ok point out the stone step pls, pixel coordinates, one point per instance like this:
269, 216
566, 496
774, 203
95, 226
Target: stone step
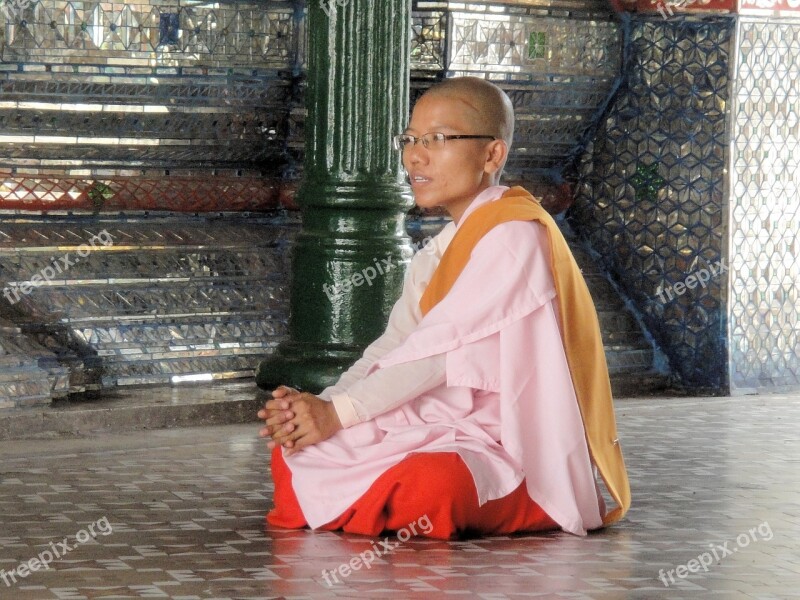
177, 299
148, 264
165, 299
619, 327
138, 408
627, 359
30, 373
637, 384
149, 370
629, 354
231, 331
31, 388
146, 300
604, 295
147, 233
621, 338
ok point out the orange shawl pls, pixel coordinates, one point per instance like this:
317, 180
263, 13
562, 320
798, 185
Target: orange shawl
580, 330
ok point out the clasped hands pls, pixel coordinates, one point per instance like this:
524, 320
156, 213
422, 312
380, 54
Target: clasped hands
295, 419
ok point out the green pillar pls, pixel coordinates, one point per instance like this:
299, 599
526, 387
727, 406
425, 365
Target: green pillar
353, 197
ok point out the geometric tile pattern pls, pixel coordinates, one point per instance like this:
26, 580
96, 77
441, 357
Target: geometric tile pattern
428, 37
147, 33
180, 514
651, 193
557, 67
93, 89
557, 70
164, 298
764, 292
154, 190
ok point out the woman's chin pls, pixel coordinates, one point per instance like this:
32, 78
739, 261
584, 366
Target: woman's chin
425, 201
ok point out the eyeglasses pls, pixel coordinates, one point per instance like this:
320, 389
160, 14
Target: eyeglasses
433, 140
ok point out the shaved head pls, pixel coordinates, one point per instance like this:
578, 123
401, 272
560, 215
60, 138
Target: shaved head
466, 110
487, 106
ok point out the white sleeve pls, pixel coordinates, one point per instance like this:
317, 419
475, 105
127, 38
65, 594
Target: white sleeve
403, 320
388, 388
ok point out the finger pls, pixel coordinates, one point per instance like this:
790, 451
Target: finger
284, 430
286, 436
285, 433
302, 442
264, 413
279, 404
278, 419
275, 406
269, 431
272, 423
283, 390
272, 444
280, 391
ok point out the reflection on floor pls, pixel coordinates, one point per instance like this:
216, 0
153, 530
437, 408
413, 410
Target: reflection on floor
179, 514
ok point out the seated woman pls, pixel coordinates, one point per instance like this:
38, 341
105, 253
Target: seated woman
486, 405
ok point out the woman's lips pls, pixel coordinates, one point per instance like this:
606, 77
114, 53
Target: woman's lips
419, 180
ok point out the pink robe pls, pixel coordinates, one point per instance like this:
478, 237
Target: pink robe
508, 407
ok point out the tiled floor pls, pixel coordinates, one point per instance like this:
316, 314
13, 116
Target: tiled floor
185, 507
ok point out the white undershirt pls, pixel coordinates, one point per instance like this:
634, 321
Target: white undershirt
357, 397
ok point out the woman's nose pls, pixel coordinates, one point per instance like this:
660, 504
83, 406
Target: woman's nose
415, 154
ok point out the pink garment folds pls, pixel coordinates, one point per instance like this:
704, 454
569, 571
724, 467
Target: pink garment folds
508, 407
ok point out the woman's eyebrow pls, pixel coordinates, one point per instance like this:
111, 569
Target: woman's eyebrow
432, 129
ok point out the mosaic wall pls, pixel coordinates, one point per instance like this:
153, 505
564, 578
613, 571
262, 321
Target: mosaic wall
558, 68
121, 302
198, 106
764, 309
120, 107
155, 105
651, 198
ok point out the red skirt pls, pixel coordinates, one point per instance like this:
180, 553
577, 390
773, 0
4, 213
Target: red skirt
437, 486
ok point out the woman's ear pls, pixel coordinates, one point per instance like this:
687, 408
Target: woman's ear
496, 160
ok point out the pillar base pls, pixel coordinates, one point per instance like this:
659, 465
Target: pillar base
309, 367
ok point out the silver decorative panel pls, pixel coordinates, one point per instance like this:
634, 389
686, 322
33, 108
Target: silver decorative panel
151, 34
428, 37
557, 67
115, 107
100, 91
29, 374
764, 306
164, 299
651, 195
